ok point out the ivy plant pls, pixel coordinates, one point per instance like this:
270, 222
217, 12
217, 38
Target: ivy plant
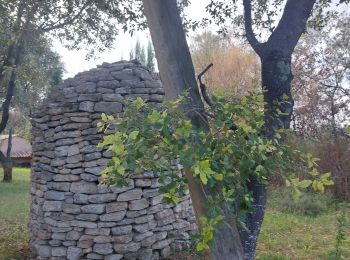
224, 158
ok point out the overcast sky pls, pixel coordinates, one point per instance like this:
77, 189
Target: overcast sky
75, 60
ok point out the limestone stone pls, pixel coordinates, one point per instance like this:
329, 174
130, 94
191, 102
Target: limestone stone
81, 198
122, 230
113, 257
161, 244
116, 206
123, 239
126, 248
83, 224
102, 239
108, 107
83, 187
102, 198
103, 249
59, 251
54, 195
88, 217
93, 208
73, 235
87, 106
94, 256
74, 253
52, 205
115, 216
133, 194
138, 204
98, 231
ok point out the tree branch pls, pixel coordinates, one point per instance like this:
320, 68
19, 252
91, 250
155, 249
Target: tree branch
291, 25
66, 22
203, 87
256, 45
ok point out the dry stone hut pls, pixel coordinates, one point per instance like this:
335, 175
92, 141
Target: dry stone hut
71, 216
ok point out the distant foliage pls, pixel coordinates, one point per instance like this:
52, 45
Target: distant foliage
147, 139
236, 68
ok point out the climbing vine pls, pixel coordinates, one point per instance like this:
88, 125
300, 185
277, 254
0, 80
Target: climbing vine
223, 159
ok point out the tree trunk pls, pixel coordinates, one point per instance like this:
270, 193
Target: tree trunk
7, 167
178, 75
7, 161
276, 77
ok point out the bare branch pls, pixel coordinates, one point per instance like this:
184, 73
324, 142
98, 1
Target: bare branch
203, 87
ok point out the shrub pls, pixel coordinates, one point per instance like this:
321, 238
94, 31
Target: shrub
310, 204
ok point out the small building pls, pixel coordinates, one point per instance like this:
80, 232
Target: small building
21, 152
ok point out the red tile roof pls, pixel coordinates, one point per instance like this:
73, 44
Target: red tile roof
21, 148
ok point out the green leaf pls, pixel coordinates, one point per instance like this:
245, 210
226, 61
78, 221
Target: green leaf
203, 178
133, 135
104, 117
121, 170
218, 176
304, 184
201, 246
119, 149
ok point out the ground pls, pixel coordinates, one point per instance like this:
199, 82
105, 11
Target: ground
284, 236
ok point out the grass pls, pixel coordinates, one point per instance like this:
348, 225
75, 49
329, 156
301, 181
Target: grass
14, 211
285, 235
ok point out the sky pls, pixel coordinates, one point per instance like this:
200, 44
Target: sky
75, 61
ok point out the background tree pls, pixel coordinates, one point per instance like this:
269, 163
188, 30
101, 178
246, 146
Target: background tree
76, 23
321, 89
150, 57
139, 53
322, 78
40, 70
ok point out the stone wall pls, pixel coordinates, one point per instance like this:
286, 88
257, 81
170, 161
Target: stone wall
71, 216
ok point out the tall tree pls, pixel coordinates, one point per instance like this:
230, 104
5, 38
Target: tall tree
40, 70
78, 23
178, 75
150, 57
274, 43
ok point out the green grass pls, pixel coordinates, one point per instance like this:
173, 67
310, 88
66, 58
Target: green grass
285, 235
14, 211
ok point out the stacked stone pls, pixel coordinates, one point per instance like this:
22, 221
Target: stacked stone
72, 217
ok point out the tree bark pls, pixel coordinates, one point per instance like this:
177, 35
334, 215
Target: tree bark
276, 75
178, 75
6, 162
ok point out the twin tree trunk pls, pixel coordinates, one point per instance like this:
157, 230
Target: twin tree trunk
178, 75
